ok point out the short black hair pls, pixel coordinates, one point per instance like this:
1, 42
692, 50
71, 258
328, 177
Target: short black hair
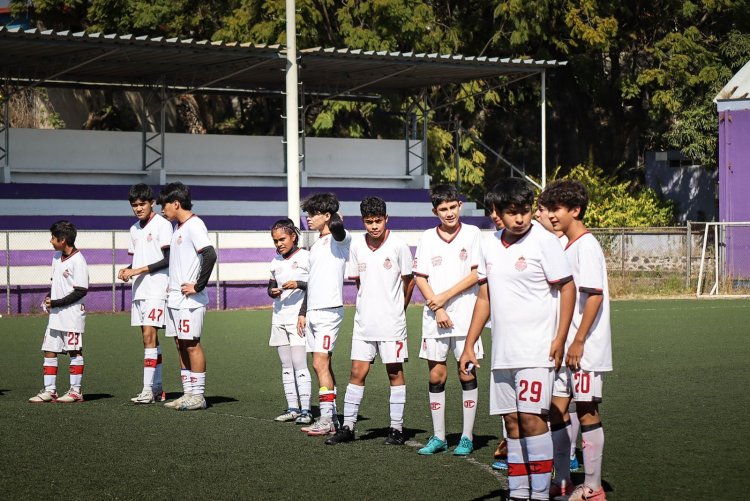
320, 203
140, 191
64, 230
442, 193
176, 192
568, 193
372, 206
287, 226
510, 191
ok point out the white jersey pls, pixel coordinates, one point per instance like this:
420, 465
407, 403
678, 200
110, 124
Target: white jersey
590, 274
522, 305
294, 267
146, 245
328, 257
68, 273
444, 263
185, 260
380, 312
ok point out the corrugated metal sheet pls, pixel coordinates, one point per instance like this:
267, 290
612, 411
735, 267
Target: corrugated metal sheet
79, 58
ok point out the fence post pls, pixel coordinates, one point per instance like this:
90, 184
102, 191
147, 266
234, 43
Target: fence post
622, 254
114, 273
7, 273
688, 255
218, 276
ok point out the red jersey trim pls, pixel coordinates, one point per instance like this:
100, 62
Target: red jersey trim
421, 275
64, 258
179, 225
506, 244
140, 223
291, 254
576, 239
482, 281
564, 280
591, 290
373, 249
437, 230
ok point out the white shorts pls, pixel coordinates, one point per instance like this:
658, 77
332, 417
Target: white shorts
286, 335
584, 386
322, 329
151, 312
391, 352
526, 390
437, 348
56, 341
186, 324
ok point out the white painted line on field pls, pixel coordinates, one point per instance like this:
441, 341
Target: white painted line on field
740, 307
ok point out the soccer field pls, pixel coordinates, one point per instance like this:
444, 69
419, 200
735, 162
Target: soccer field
675, 417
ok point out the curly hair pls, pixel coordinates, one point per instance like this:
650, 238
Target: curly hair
566, 193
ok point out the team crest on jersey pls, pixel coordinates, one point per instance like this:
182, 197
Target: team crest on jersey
387, 263
521, 263
414, 263
463, 255
66, 273
437, 260
179, 240
469, 404
149, 238
362, 267
489, 267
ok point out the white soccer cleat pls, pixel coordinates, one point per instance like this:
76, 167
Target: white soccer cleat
320, 428
289, 415
145, 397
43, 397
70, 397
176, 403
196, 402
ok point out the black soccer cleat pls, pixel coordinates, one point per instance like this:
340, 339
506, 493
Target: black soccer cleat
395, 437
344, 434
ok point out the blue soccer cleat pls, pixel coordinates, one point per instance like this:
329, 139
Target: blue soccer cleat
434, 445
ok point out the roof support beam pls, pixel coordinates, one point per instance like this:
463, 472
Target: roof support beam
68, 70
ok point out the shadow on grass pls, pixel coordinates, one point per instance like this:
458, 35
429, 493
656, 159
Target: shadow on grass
218, 399
90, 397
498, 494
480, 441
375, 433
2, 392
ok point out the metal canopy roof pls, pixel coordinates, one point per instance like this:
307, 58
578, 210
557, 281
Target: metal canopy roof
63, 58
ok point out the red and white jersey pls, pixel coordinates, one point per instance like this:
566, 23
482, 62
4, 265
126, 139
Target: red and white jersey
146, 244
522, 304
328, 257
185, 260
67, 274
444, 263
380, 299
294, 267
590, 274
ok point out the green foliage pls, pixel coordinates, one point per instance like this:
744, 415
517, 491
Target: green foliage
615, 204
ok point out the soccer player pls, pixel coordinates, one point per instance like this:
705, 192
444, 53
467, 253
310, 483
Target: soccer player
67, 315
290, 269
589, 345
445, 272
381, 264
191, 260
322, 310
518, 270
149, 245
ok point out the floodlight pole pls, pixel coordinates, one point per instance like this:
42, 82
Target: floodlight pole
292, 115
544, 129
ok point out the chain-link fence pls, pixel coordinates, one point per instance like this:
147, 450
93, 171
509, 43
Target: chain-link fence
641, 261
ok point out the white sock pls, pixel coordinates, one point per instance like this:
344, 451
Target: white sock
470, 411
287, 376
157, 371
539, 452
199, 382
326, 399
437, 410
76, 372
50, 374
352, 400
561, 446
398, 402
518, 476
575, 427
187, 385
593, 449
150, 360
302, 376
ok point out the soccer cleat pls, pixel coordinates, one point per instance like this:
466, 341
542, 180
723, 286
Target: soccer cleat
585, 493
559, 489
196, 402
500, 465
159, 394
145, 397
43, 397
320, 428
304, 418
345, 434
434, 445
177, 402
502, 450
464, 447
574, 464
289, 415
70, 397
395, 437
